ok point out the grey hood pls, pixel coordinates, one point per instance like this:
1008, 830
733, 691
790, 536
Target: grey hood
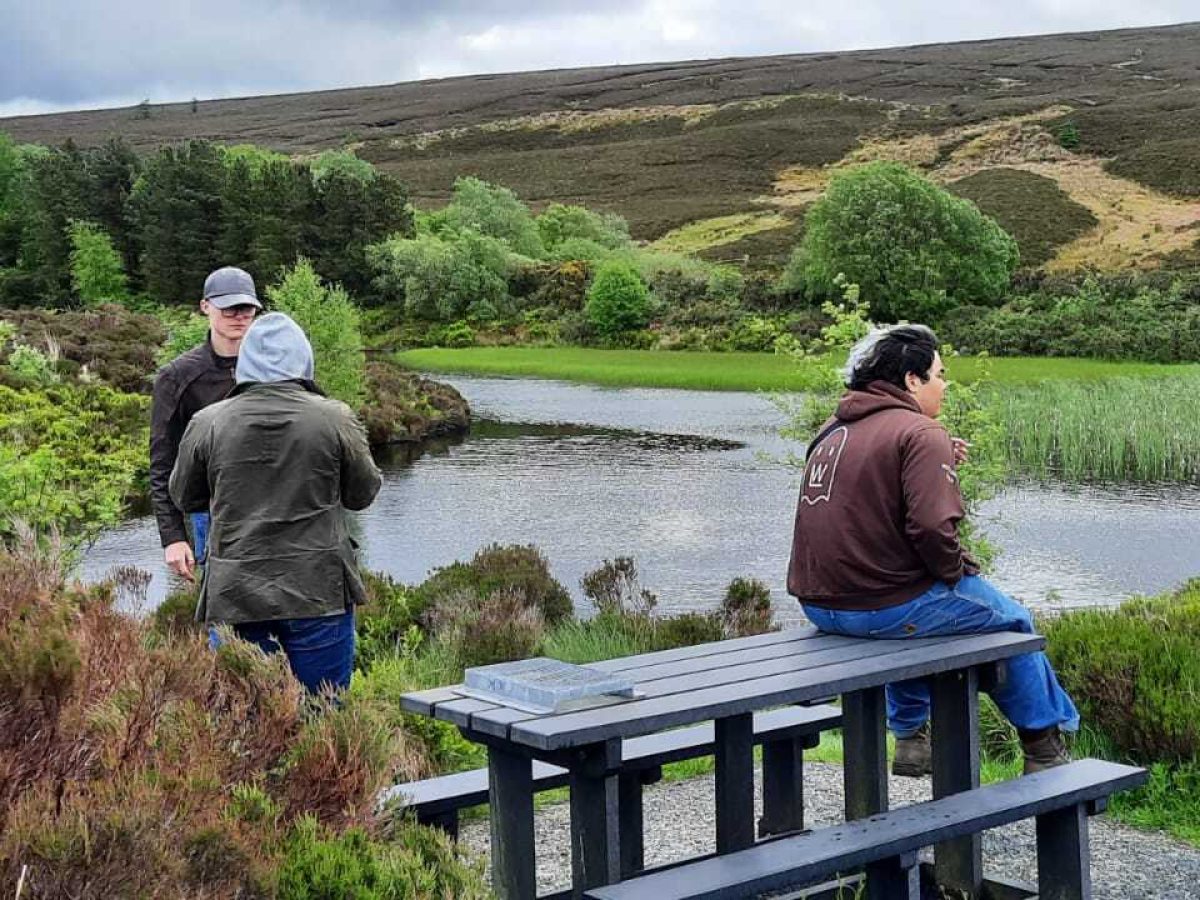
274, 349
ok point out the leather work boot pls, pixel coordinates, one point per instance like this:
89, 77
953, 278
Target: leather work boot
913, 758
1044, 749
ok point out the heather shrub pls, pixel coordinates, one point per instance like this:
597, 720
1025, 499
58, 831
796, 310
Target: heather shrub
520, 570
107, 723
746, 608
481, 630
1134, 672
614, 587
414, 863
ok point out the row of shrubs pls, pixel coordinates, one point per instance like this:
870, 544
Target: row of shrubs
1154, 317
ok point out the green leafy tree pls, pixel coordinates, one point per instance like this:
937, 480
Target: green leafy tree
343, 162
11, 172
55, 192
112, 169
443, 279
915, 250
331, 321
490, 210
561, 223
96, 271
176, 206
346, 215
618, 300
253, 156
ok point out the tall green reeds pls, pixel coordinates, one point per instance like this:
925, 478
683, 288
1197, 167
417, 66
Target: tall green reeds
1119, 429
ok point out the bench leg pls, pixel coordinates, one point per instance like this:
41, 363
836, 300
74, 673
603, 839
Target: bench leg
783, 786
864, 738
894, 878
958, 864
629, 789
734, 752
595, 847
510, 797
447, 821
1064, 871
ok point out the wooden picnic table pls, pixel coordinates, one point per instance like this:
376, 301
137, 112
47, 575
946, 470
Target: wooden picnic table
727, 682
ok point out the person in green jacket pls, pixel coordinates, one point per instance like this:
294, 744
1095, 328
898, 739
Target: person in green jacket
278, 463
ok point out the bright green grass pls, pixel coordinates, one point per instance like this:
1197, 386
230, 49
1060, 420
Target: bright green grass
729, 371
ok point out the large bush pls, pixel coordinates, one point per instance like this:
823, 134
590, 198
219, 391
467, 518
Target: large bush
491, 210
442, 279
1134, 672
562, 229
618, 300
330, 319
915, 250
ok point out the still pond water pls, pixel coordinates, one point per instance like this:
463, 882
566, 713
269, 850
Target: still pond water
689, 483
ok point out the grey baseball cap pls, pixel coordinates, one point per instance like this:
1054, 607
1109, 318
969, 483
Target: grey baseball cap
230, 286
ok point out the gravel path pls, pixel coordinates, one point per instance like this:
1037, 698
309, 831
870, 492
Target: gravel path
1127, 864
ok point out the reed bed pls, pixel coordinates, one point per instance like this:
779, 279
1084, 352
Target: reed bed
1118, 429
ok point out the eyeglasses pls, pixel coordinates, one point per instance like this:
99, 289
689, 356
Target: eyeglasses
241, 311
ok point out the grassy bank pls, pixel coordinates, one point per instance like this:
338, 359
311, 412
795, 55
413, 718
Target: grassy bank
731, 371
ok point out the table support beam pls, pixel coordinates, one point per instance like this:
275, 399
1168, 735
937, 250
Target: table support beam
734, 753
865, 752
510, 797
783, 785
958, 864
595, 805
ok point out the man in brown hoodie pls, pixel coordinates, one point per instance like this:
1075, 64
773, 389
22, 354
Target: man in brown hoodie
876, 552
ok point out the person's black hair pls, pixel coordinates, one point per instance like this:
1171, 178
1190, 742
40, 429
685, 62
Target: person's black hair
890, 354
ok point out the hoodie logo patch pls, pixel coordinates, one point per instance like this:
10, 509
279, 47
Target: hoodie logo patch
822, 466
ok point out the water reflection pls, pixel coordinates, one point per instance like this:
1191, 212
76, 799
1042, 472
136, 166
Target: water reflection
683, 481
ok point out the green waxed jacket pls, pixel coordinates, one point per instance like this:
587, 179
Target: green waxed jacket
276, 464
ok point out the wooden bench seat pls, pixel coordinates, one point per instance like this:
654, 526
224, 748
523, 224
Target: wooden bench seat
436, 801
887, 844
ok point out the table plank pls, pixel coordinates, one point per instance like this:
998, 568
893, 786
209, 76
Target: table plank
498, 721
643, 716
740, 656
725, 646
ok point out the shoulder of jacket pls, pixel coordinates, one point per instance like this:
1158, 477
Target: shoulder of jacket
926, 430
206, 415
187, 365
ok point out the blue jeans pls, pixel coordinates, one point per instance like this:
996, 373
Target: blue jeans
200, 523
319, 651
1029, 696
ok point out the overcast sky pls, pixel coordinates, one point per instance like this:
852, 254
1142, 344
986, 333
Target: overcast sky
82, 54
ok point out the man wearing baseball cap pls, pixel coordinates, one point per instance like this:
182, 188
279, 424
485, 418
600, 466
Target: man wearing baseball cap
198, 378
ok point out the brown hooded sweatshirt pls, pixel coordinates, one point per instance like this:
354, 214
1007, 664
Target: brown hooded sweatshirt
877, 519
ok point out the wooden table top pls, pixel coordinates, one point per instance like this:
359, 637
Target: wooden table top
723, 678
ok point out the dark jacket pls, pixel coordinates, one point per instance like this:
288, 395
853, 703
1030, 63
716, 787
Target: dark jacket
182, 388
877, 519
276, 464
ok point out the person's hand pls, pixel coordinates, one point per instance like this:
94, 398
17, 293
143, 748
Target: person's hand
962, 450
180, 559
